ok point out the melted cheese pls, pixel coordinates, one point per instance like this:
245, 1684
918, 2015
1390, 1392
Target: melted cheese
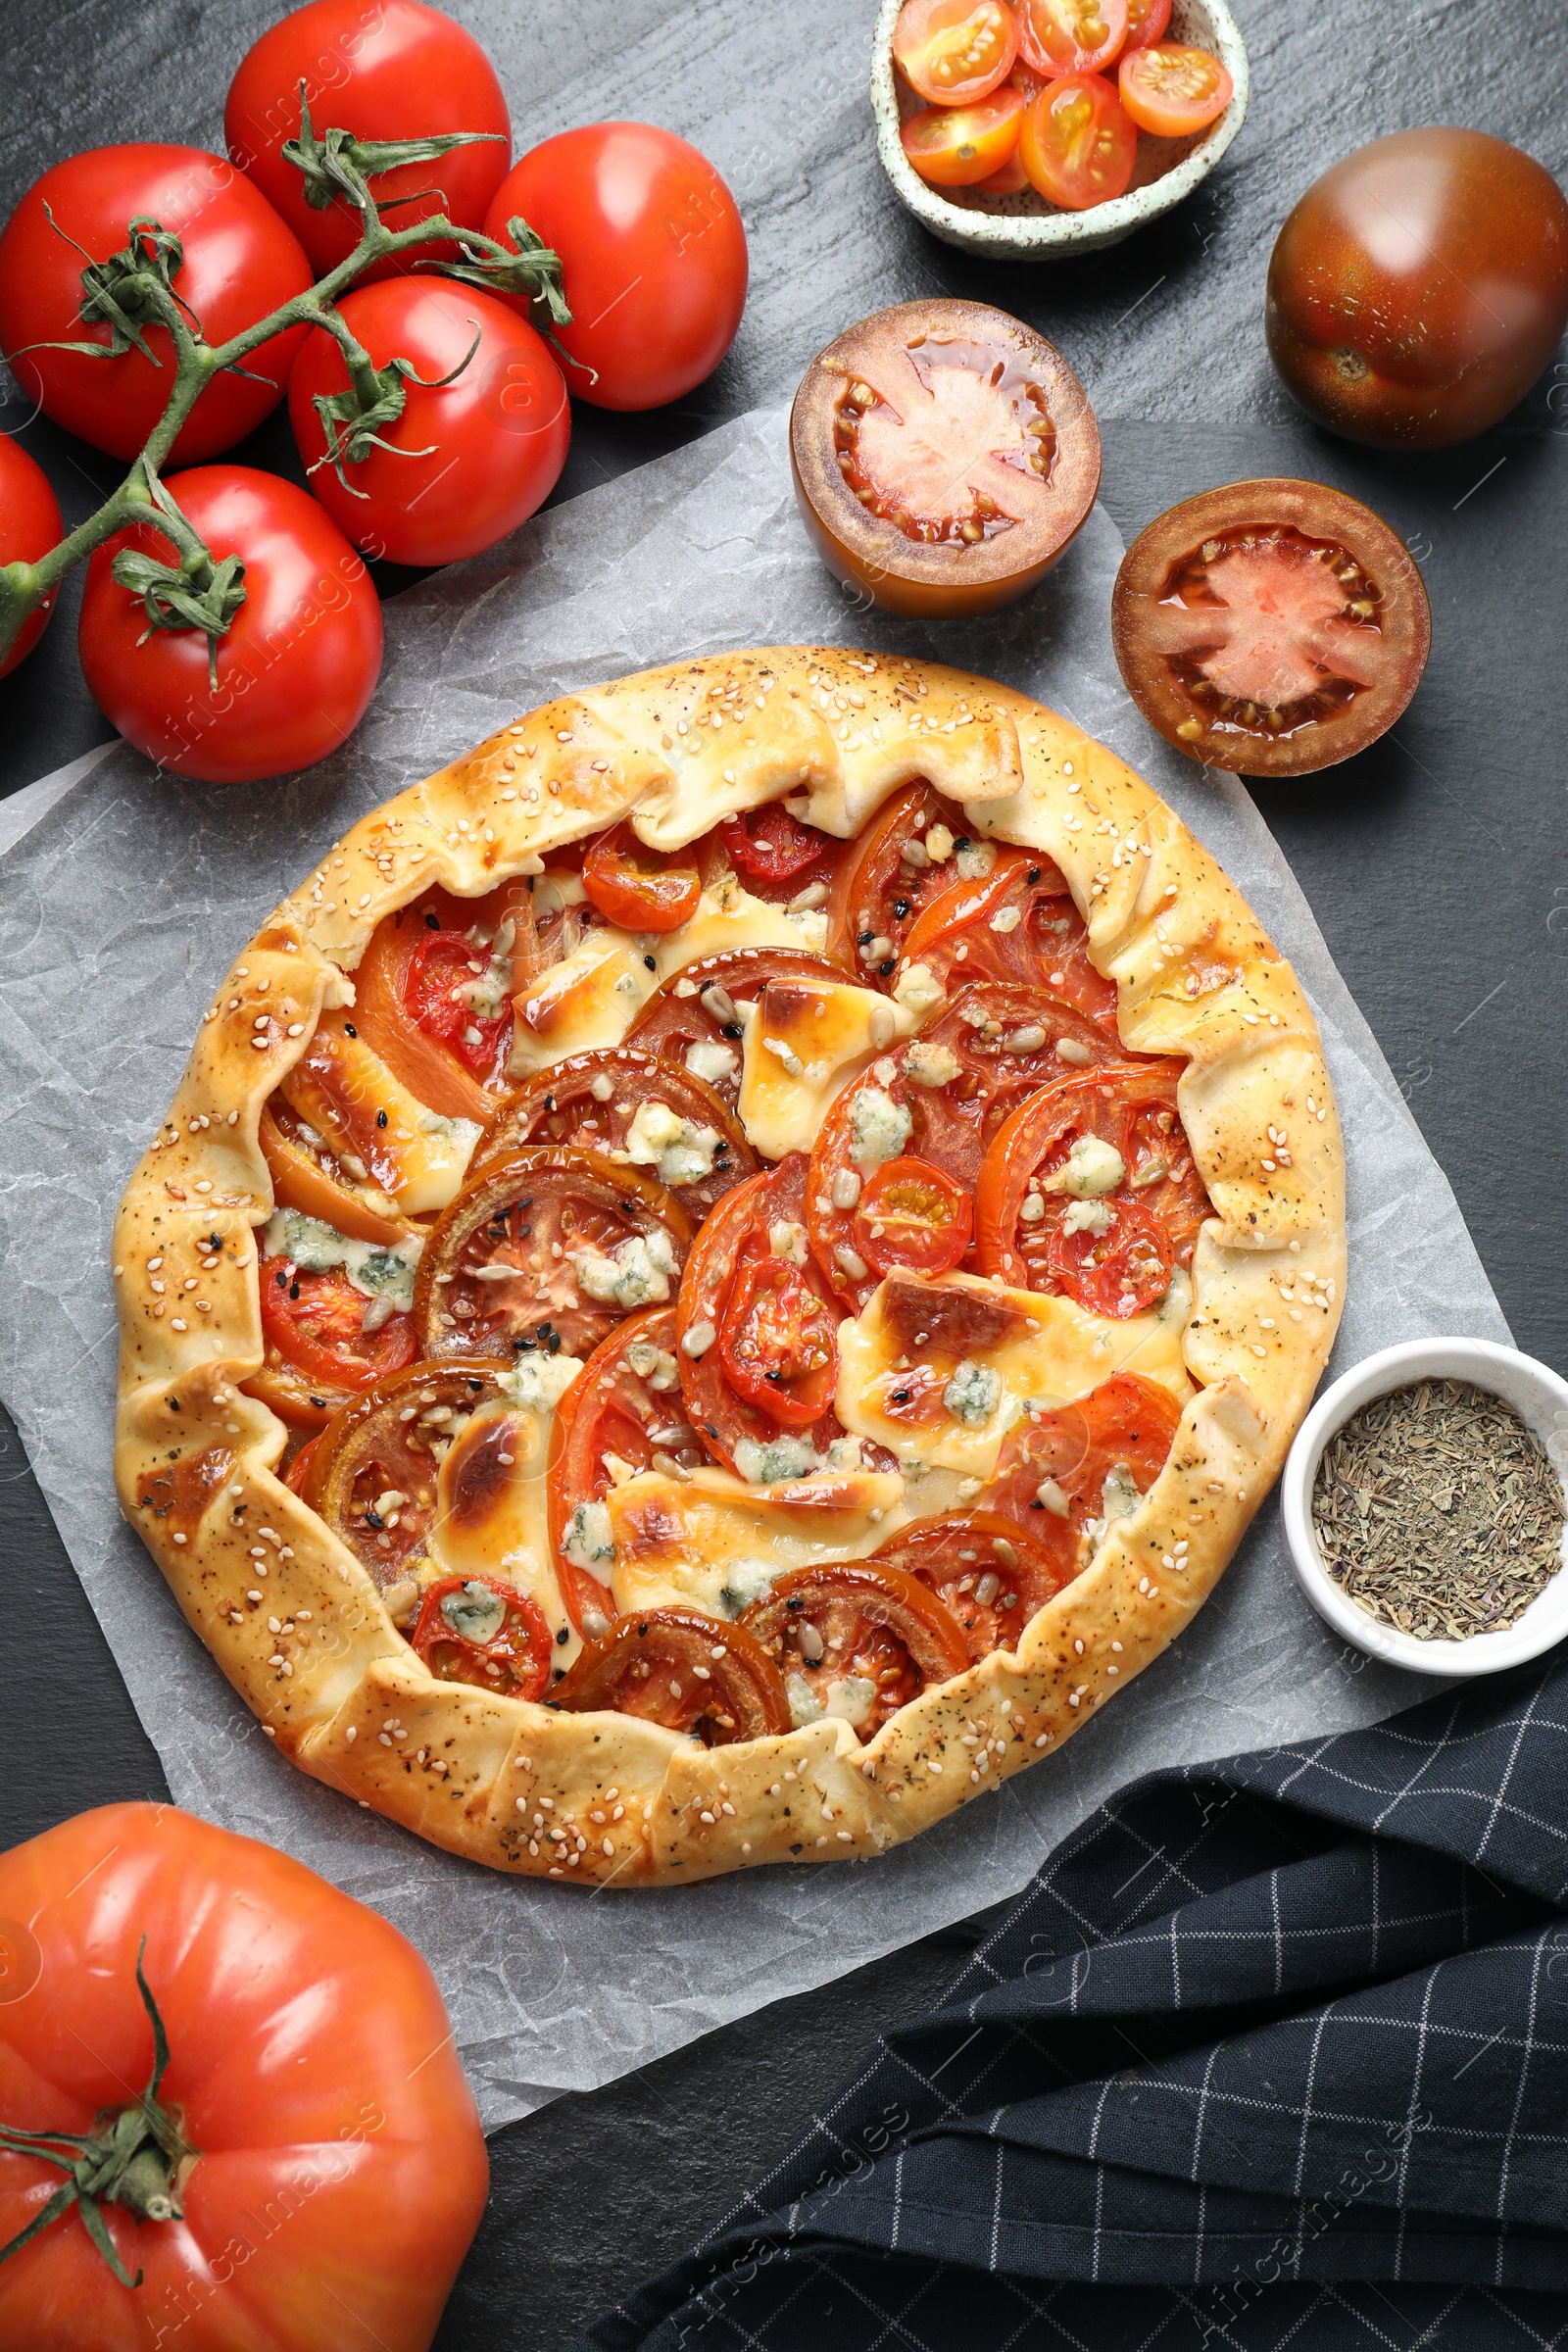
709, 1542
343, 1088
591, 998
730, 917
805, 1041
491, 1519
1036, 1350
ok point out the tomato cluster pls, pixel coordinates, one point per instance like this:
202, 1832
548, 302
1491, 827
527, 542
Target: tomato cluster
614, 1210
469, 429
1049, 94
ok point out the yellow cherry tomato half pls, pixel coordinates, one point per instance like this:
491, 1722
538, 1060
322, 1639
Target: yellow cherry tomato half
955, 146
1173, 90
955, 51
1076, 143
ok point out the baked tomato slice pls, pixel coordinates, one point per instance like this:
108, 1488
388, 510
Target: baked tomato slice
991, 1571
637, 1109
732, 1312
480, 1630
951, 52
911, 1214
316, 1325
1078, 143
903, 860
857, 1639
1090, 1189
1172, 90
623, 1412
547, 1247
373, 1472
774, 853
685, 1671
692, 1018
1065, 1475
433, 995
1012, 920
1058, 37
638, 888
309, 1176
959, 146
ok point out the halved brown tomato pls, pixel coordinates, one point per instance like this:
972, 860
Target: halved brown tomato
911, 1214
1271, 628
481, 1631
720, 1300
992, 1573
882, 891
683, 1670
415, 985
316, 1325
958, 146
953, 51
1014, 923
375, 1470
639, 888
1037, 1234
863, 1635
697, 1009
944, 455
1070, 36
307, 1175
624, 1410
1051, 1472
547, 1247
590, 1101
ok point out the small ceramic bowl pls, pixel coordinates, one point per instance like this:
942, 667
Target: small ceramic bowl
1540, 1399
1027, 228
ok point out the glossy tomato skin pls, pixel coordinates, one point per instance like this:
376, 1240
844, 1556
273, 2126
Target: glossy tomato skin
241, 262
295, 671
341, 2166
1419, 288
30, 526
653, 256
496, 435
383, 70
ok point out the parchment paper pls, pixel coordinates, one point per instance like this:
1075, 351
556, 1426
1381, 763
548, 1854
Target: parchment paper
121, 906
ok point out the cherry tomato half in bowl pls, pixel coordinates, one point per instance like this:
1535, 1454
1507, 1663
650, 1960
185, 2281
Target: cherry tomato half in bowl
1172, 90
31, 525
481, 438
958, 146
1272, 627
953, 51
296, 666
1146, 20
1071, 36
1078, 143
653, 256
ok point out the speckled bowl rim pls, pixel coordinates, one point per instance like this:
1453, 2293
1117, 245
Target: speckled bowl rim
1047, 236
1535, 1392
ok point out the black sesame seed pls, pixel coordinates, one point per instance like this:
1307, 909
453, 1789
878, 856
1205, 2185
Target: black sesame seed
963, 842
901, 907
372, 1518
320, 1403
293, 1290
381, 1119
282, 1281
564, 1637
891, 965
435, 920
553, 1342
652, 966
901, 1396
1034, 873
863, 939
732, 1029
349, 1029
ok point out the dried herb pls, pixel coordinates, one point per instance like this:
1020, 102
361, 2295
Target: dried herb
1439, 1511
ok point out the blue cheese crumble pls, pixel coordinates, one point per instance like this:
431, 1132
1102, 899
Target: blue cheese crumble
677, 1149
879, 1127
589, 1542
372, 1267
637, 1273
973, 1394
1094, 1167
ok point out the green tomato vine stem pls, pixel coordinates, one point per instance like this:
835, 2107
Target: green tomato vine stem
135, 290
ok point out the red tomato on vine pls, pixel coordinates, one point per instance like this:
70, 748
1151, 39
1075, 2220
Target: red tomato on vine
384, 70
306, 2165
471, 457
297, 665
240, 263
653, 256
30, 526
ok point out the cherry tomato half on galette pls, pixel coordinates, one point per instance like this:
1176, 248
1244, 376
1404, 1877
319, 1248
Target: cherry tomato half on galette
734, 1284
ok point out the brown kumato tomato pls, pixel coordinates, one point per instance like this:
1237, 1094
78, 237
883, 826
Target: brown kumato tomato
1419, 288
1271, 628
944, 457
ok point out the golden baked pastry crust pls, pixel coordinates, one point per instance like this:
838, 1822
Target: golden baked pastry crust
341, 1693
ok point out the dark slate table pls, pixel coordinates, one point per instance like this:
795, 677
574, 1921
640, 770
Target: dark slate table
1435, 864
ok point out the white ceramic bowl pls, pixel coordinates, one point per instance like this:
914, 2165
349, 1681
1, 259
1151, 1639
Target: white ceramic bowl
1025, 228
1536, 1394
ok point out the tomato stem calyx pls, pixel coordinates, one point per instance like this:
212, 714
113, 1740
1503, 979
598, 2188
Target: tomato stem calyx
138, 2157
338, 164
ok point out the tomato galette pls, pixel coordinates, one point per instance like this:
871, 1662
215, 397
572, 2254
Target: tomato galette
726, 1270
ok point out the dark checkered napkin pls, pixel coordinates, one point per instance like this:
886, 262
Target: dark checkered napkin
1269, 2047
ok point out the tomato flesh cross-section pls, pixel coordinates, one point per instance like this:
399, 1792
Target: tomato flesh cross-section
1272, 627
966, 461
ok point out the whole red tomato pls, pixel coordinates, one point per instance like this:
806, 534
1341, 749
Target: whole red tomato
30, 526
296, 668
653, 255
240, 263
1419, 288
468, 461
382, 70
323, 2154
